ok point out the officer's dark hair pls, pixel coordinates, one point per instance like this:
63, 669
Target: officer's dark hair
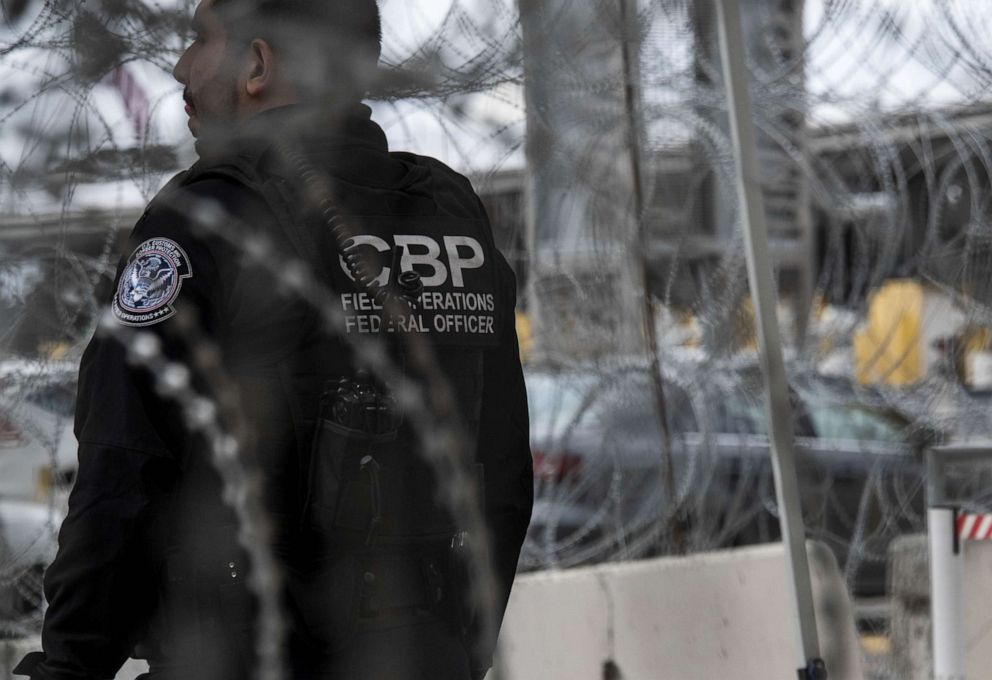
332, 47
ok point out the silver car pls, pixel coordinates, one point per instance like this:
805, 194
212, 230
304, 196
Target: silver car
37, 465
606, 487
37, 446
28, 532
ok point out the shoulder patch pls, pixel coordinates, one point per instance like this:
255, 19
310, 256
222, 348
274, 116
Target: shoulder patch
150, 283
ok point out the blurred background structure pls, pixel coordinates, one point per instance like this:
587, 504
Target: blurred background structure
596, 132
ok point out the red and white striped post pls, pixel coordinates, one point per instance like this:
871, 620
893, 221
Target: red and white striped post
948, 529
974, 527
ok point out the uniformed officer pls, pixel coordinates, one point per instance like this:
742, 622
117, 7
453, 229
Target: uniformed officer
148, 554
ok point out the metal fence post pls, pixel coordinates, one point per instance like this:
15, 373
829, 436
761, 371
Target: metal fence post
777, 403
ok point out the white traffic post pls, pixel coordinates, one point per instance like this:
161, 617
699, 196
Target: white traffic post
946, 593
777, 403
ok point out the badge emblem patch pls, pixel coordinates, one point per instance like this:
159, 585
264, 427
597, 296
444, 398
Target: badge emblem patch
150, 283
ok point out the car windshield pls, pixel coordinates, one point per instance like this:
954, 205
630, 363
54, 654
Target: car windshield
839, 421
737, 414
818, 412
563, 401
621, 402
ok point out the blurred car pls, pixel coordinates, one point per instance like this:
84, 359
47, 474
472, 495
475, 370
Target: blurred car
37, 446
595, 443
604, 486
28, 543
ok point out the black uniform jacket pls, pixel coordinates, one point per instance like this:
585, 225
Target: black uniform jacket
145, 479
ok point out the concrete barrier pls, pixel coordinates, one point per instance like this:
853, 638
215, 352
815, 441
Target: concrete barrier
912, 656
714, 615
909, 612
977, 610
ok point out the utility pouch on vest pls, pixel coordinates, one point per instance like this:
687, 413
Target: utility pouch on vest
357, 429
345, 489
367, 485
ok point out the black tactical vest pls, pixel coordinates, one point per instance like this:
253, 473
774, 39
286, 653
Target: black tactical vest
364, 477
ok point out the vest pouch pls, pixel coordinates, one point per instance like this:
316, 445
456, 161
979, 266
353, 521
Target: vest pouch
343, 465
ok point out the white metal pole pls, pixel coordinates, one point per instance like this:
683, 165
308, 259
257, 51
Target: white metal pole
777, 402
946, 594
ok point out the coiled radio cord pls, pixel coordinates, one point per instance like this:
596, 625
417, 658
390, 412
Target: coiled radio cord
403, 287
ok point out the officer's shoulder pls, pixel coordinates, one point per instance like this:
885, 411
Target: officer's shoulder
436, 166
450, 186
219, 190
194, 215
200, 204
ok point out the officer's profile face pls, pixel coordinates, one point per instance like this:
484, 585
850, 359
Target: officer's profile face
208, 72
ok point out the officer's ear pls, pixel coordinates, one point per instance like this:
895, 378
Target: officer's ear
261, 70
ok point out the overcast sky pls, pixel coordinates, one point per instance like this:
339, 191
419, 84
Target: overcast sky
845, 74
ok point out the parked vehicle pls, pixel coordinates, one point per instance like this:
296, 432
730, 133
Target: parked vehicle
37, 465
605, 486
28, 532
37, 446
